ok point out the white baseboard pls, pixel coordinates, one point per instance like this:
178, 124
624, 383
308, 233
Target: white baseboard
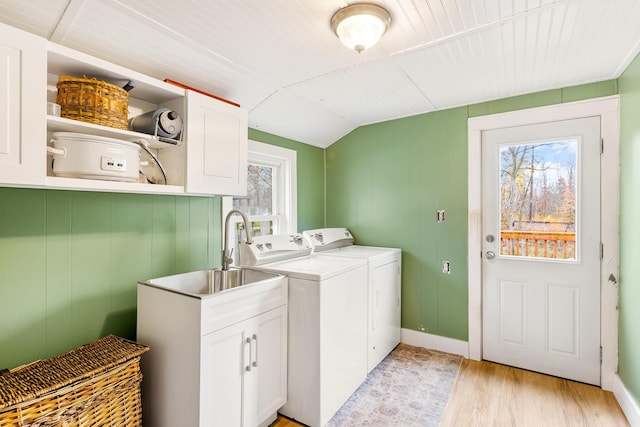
627, 402
435, 342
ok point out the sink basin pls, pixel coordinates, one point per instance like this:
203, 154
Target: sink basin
207, 282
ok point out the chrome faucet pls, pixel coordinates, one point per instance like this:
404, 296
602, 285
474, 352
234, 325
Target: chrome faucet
227, 259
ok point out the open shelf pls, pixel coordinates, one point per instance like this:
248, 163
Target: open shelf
61, 124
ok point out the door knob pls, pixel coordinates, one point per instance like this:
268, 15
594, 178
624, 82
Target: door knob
491, 255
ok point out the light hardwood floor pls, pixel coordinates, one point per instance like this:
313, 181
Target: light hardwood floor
489, 394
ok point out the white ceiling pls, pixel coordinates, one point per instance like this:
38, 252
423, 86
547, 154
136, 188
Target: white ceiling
280, 60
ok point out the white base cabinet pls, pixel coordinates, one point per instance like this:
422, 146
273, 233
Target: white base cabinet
220, 360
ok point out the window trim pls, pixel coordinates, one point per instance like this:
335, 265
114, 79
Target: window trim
285, 162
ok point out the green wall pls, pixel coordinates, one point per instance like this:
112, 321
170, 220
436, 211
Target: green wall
70, 260
629, 281
386, 181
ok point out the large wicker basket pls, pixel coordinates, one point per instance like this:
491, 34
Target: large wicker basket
97, 384
93, 101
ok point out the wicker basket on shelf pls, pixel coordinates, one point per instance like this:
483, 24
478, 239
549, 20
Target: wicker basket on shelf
97, 384
93, 101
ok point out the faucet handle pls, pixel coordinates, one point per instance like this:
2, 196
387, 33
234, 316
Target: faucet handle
227, 258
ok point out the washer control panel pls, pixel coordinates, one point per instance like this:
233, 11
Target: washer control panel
276, 247
323, 239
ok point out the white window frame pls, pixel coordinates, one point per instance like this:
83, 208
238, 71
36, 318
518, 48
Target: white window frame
284, 162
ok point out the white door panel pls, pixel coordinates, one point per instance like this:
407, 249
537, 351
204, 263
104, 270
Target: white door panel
541, 250
512, 312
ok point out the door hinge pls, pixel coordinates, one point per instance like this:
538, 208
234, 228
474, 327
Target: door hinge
601, 145
600, 354
601, 251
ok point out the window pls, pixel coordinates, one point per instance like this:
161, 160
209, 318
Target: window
270, 203
538, 199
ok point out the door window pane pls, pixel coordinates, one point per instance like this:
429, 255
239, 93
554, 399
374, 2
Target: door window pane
538, 199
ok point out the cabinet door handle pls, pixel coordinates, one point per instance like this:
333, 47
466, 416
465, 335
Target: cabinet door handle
255, 359
248, 366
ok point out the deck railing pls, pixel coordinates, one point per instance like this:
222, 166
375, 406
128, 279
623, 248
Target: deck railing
538, 244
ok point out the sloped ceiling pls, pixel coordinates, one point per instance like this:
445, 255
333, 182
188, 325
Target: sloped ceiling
281, 61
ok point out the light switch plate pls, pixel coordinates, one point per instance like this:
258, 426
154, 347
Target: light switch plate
446, 267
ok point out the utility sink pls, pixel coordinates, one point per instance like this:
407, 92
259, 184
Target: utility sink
203, 283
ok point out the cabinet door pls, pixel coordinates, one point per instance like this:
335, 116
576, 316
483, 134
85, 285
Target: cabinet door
216, 147
271, 351
244, 371
225, 380
23, 97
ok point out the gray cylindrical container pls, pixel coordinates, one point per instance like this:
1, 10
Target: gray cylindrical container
167, 122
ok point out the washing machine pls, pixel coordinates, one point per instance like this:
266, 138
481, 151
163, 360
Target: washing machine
384, 271
327, 329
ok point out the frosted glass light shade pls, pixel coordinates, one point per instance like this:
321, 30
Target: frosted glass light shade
360, 26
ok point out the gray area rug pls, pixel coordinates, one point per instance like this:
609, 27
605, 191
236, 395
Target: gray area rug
410, 387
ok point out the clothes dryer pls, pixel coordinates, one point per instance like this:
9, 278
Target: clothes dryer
327, 334
384, 271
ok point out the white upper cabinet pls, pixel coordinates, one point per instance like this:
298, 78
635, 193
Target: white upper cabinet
22, 107
209, 157
216, 136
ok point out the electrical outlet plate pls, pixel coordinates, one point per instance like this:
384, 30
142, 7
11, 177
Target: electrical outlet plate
440, 215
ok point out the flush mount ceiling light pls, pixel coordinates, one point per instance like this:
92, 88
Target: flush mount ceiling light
360, 25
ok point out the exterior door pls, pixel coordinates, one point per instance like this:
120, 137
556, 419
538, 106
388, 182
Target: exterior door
541, 248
